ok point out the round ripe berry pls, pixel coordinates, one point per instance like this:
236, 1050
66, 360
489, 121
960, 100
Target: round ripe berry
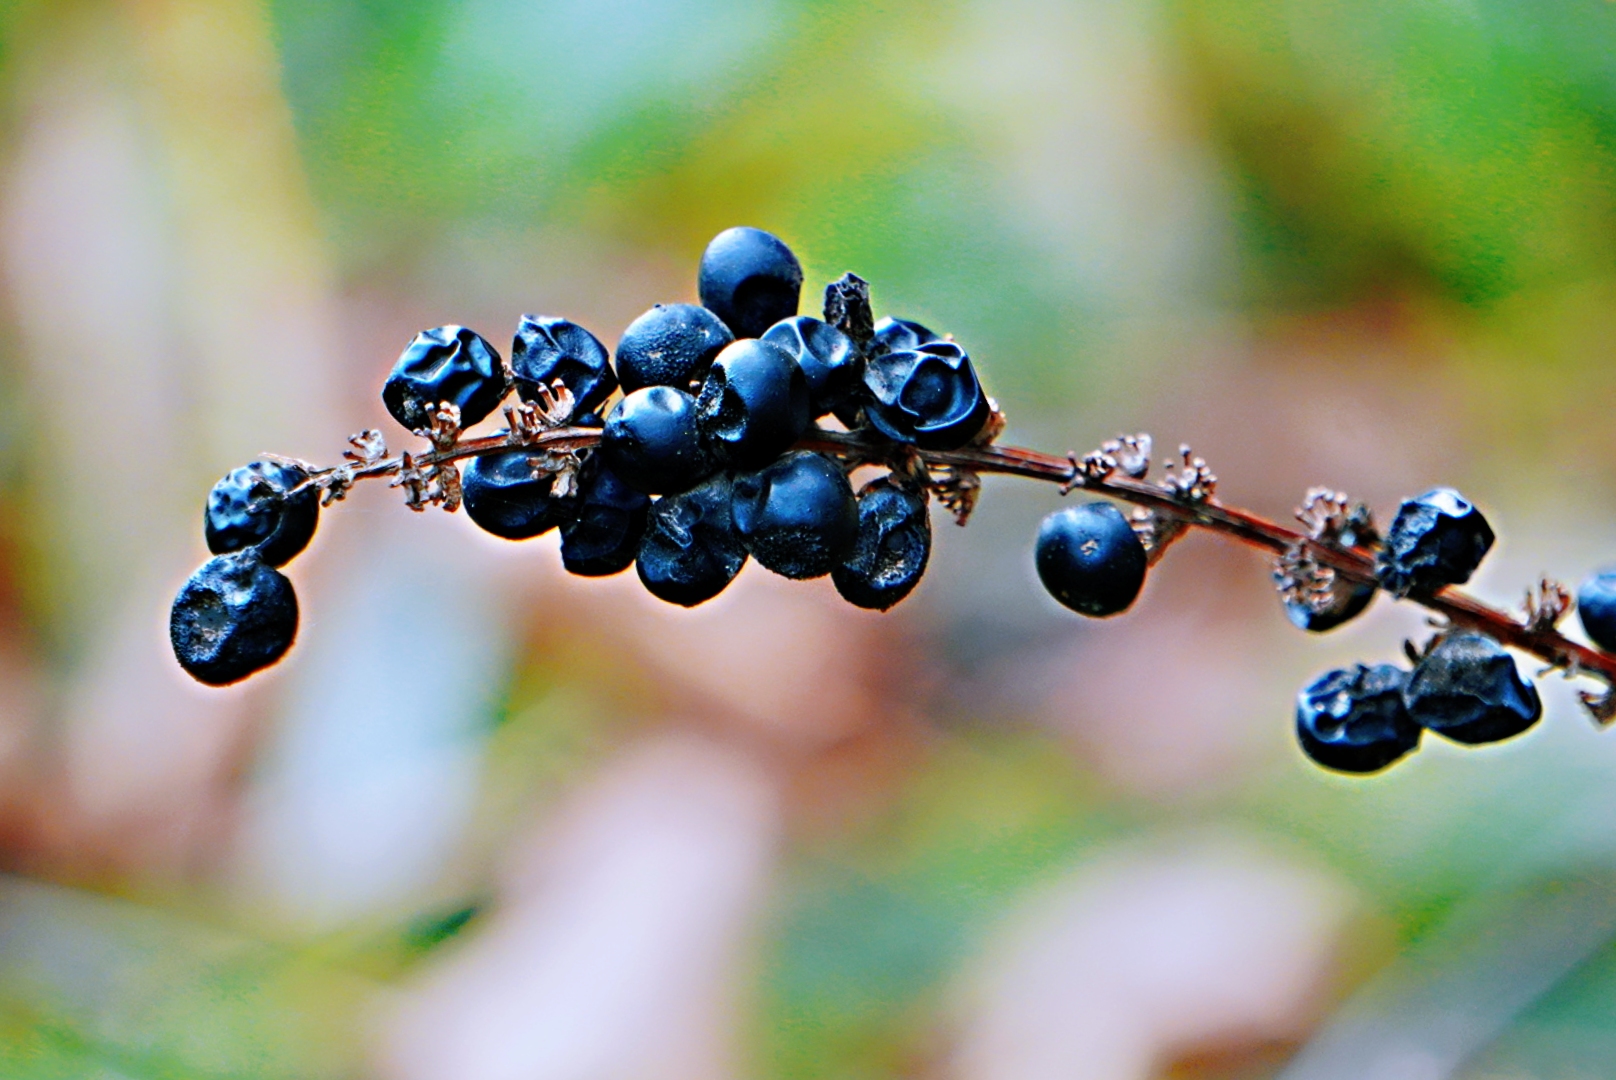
250, 508
829, 360
450, 364
750, 279
651, 441
1353, 720
1437, 539
897, 335
797, 515
1089, 559
1348, 599
928, 396
753, 404
691, 550
1468, 689
890, 551
604, 535
234, 616
670, 345
547, 349
504, 497
1596, 607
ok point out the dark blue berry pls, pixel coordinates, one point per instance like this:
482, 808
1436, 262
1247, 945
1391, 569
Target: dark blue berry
753, 404
1596, 606
1437, 539
1090, 559
928, 396
829, 360
234, 616
547, 349
1468, 689
750, 279
899, 335
1353, 719
691, 550
797, 515
504, 497
1348, 599
449, 364
604, 534
670, 345
651, 441
250, 508
890, 550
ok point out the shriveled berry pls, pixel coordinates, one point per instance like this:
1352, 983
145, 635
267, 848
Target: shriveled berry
829, 360
604, 534
1468, 689
691, 550
1090, 559
1596, 606
1348, 599
547, 348
651, 441
234, 616
1353, 719
897, 335
251, 508
503, 496
449, 364
753, 404
928, 395
891, 548
670, 345
797, 515
750, 279
1437, 539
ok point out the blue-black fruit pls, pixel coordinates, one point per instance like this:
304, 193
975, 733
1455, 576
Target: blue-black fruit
890, 549
1468, 689
1596, 606
548, 348
1353, 719
233, 617
502, 495
691, 550
829, 360
670, 345
1438, 539
928, 396
753, 403
796, 515
750, 279
651, 441
449, 364
1348, 599
251, 508
897, 335
1090, 559
604, 534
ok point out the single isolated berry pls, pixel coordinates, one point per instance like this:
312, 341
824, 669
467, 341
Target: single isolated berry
1468, 689
928, 396
252, 508
750, 279
449, 364
670, 345
753, 404
504, 495
604, 534
797, 515
547, 349
1348, 599
1090, 559
233, 617
691, 550
890, 549
898, 335
1437, 539
1353, 719
651, 441
1596, 606
829, 360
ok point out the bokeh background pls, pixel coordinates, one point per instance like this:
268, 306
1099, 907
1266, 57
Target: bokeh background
489, 823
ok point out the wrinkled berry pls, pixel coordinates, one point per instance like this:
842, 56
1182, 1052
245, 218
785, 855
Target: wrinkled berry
753, 404
828, 358
503, 496
691, 550
1468, 689
898, 335
797, 515
1348, 599
450, 364
547, 349
604, 534
750, 279
1438, 539
928, 396
233, 617
651, 441
1090, 559
250, 508
890, 550
670, 345
1596, 606
1353, 720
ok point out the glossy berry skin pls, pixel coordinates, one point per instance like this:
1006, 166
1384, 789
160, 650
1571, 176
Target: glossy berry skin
548, 348
235, 616
829, 360
797, 515
1349, 599
1353, 720
1089, 559
1468, 689
890, 549
1438, 539
750, 279
651, 441
670, 345
897, 335
450, 364
503, 497
928, 396
753, 403
691, 550
604, 533
1596, 607
250, 508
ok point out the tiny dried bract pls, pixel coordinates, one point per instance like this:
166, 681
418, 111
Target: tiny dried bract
1194, 482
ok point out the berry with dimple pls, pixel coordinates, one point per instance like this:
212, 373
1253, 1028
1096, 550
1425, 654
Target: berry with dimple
449, 364
1596, 607
1438, 539
652, 442
890, 549
829, 360
670, 345
750, 279
233, 617
503, 496
1468, 689
548, 348
1354, 720
928, 395
691, 550
753, 404
1090, 559
251, 508
603, 535
1348, 599
897, 335
797, 515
